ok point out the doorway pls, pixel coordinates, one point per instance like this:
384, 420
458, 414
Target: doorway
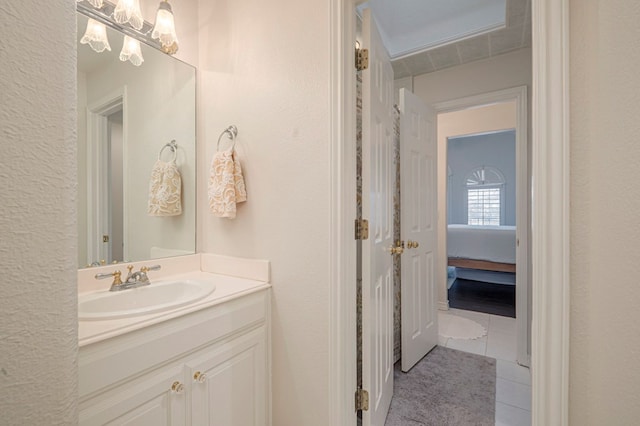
106, 182
374, 357
550, 244
496, 110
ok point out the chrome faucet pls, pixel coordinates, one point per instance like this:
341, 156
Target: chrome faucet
133, 280
140, 277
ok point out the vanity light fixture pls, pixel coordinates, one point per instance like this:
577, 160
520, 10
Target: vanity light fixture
131, 51
164, 29
126, 17
96, 36
129, 11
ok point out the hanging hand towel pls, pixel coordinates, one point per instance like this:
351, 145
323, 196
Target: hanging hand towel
165, 189
226, 184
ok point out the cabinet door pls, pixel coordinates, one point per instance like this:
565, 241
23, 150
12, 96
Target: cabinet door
229, 383
156, 399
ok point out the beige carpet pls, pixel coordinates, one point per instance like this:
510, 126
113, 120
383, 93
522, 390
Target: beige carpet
457, 327
446, 388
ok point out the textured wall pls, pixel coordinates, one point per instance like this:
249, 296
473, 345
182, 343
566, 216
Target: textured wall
266, 70
38, 332
605, 156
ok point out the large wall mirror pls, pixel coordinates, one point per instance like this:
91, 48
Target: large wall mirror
128, 117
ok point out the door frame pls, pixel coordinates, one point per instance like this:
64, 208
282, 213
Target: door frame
519, 96
97, 174
549, 202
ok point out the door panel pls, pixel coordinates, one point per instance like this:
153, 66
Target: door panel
418, 206
149, 401
229, 384
377, 270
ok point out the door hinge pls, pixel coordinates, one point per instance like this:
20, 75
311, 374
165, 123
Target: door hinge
362, 59
105, 238
362, 400
362, 229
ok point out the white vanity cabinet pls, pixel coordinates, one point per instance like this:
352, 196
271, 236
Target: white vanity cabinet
208, 367
149, 400
227, 383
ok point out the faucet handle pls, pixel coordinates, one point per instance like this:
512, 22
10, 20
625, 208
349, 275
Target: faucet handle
150, 268
130, 268
115, 274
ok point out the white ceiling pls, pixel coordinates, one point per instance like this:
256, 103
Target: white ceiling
428, 35
410, 26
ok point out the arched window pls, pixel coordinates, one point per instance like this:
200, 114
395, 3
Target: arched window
485, 196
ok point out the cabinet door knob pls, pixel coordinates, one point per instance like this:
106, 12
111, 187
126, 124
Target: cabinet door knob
177, 387
199, 377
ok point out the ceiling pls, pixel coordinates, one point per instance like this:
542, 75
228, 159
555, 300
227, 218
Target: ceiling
423, 36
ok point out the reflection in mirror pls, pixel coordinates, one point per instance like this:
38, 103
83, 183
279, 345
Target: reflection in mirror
126, 115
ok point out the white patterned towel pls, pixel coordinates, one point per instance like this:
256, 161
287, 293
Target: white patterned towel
226, 184
165, 190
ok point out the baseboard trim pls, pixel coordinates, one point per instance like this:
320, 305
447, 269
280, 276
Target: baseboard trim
443, 306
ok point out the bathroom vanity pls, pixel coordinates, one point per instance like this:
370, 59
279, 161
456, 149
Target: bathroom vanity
207, 362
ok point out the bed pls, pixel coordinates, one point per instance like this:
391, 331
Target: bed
488, 248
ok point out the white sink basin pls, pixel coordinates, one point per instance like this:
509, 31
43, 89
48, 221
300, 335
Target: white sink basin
157, 297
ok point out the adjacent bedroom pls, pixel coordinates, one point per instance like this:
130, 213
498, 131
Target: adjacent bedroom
481, 222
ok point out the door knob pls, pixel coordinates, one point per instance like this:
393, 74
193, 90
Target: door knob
396, 250
413, 244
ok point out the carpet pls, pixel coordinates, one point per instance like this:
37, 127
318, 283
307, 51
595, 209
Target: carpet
445, 388
457, 327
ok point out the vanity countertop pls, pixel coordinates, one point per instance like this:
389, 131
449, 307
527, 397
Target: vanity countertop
228, 287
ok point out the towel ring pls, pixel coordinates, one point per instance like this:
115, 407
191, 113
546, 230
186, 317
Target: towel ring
174, 148
231, 132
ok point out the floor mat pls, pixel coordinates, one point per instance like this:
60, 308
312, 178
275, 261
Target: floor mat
447, 387
496, 299
457, 327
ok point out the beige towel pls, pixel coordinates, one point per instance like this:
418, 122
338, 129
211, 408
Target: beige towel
226, 184
165, 190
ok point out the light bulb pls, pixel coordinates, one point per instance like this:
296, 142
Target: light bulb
96, 36
131, 51
165, 29
129, 11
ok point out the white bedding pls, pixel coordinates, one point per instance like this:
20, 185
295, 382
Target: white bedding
492, 243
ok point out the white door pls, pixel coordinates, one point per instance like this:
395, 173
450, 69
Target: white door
418, 228
377, 202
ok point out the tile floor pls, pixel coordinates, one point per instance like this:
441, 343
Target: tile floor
513, 382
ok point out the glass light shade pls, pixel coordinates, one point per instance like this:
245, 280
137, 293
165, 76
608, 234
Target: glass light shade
131, 51
96, 3
96, 36
165, 29
129, 11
